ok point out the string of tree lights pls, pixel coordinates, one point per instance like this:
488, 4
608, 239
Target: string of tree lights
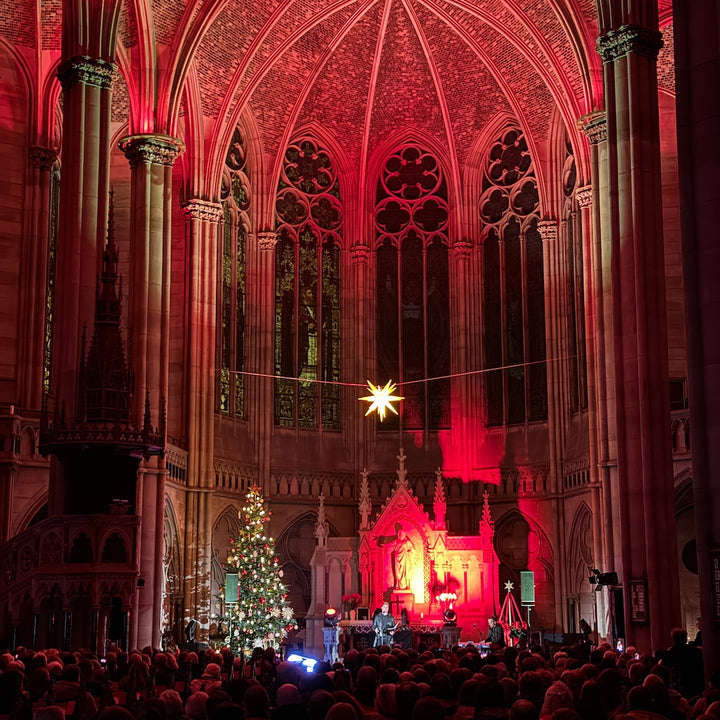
257, 613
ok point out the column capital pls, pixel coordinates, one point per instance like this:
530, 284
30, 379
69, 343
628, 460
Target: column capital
629, 39
152, 149
463, 248
203, 210
86, 70
267, 239
548, 230
360, 254
41, 157
583, 196
594, 125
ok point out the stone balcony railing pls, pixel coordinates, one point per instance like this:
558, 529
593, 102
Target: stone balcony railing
69, 551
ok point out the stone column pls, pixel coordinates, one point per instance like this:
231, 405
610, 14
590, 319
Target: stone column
83, 212
593, 314
358, 358
597, 254
34, 274
261, 358
548, 230
466, 429
556, 382
201, 257
697, 57
151, 159
643, 508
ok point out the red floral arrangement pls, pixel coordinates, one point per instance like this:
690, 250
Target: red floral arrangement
351, 600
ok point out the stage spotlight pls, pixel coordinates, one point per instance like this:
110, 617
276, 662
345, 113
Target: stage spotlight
450, 618
332, 617
306, 662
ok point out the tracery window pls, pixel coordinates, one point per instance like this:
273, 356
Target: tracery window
576, 285
50, 284
513, 285
235, 196
309, 217
413, 306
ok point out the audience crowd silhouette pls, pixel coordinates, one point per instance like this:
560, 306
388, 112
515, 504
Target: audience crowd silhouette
572, 683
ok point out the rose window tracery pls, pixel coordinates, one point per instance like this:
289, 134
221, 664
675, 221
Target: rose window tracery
309, 217
412, 316
513, 284
235, 194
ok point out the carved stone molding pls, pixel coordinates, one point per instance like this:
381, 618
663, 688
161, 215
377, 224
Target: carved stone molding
548, 230
86, 70
594, 126
629, 39
151, 149
41, 157
202, 210
267, 239
463, 248
583, 196
360, 254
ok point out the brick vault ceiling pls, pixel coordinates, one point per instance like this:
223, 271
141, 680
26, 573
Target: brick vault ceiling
364, 69
367, 71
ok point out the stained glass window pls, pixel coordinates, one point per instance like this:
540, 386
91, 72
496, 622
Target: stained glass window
513, 285
413, 305
307, 289
235, 196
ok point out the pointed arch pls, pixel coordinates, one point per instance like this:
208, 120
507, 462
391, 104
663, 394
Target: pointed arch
310, 223
172, 593
295, 547
225, 528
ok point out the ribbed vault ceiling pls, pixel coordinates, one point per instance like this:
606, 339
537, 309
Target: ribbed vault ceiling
367, 69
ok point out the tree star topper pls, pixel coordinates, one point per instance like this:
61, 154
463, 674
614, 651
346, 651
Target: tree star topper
509, 586
381, 398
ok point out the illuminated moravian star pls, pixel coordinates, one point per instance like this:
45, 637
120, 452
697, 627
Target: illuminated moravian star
381, 398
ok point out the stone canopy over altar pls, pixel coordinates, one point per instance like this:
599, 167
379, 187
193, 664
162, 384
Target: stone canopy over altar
406, 555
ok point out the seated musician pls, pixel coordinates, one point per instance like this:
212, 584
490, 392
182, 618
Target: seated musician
383, 625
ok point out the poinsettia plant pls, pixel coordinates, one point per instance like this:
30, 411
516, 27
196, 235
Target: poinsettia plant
351, 600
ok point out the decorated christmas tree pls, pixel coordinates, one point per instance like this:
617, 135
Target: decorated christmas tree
262, 616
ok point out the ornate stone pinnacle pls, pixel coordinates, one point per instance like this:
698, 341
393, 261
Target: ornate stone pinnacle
401, 471
439, 503
365, 506
321, 527
486, 522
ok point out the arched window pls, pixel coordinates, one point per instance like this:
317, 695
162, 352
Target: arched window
413, 306
235, 195
513, 285
51, 267
309, 220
